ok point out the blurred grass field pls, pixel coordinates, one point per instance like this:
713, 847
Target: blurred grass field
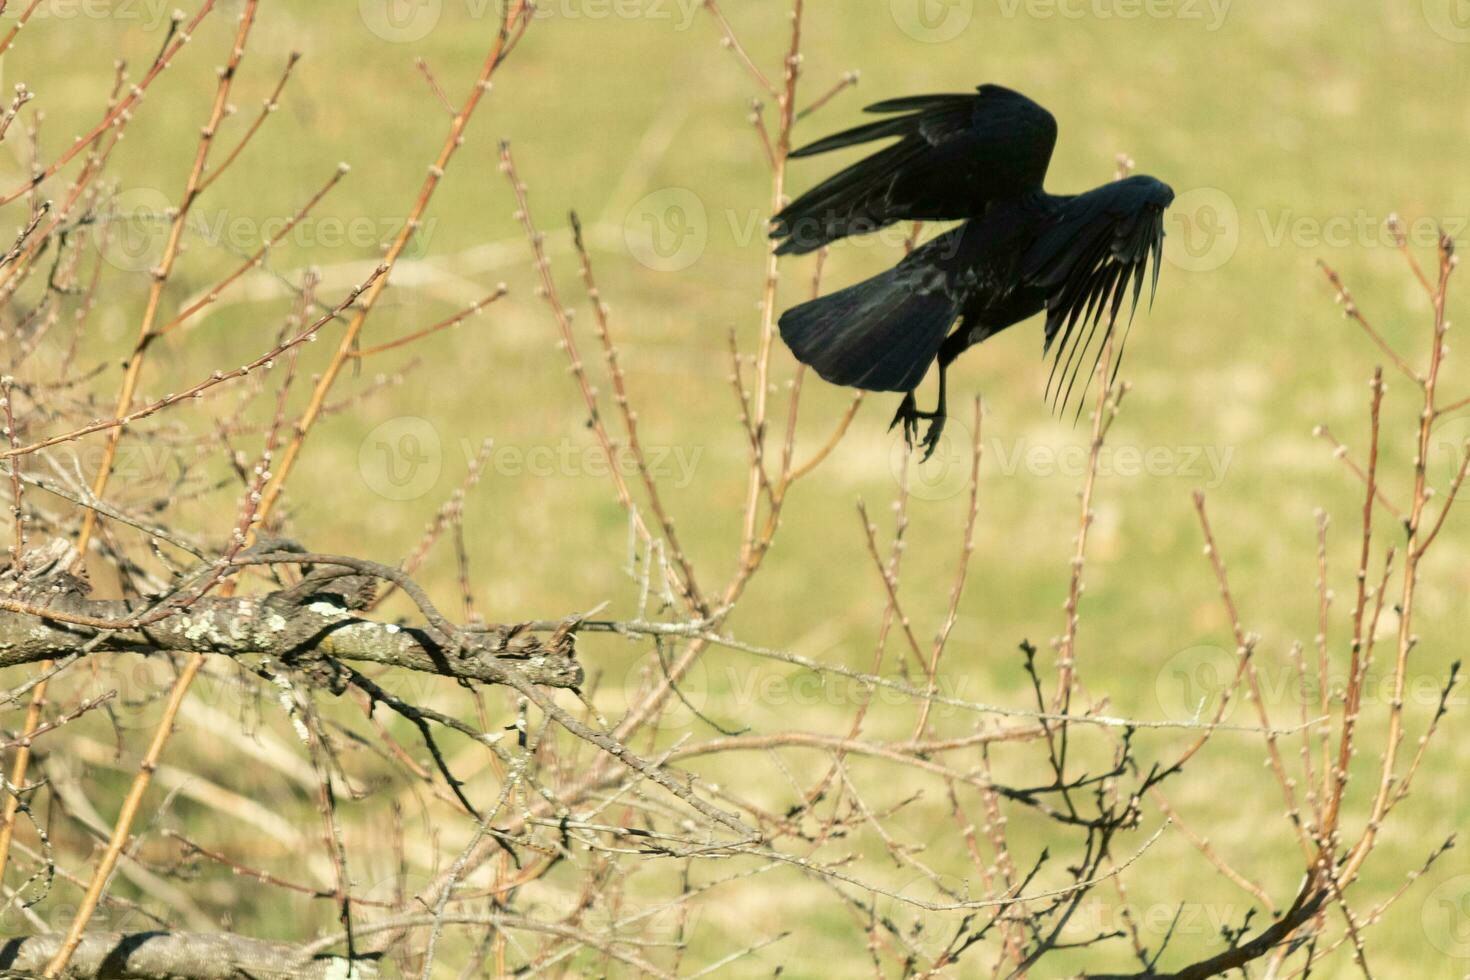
1291, 132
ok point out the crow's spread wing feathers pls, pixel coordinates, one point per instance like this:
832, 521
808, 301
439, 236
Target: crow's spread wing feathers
953, 156
1092, 248
935, 119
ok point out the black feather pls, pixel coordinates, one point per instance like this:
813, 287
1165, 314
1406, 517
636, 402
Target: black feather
954, 155
881, 334
1093, 245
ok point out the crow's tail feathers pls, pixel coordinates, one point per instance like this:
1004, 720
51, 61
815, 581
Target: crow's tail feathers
879, 335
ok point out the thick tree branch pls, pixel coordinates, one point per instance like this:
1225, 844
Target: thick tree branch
299, 629
191, 956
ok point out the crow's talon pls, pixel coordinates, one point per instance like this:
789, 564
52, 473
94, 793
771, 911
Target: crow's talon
931, 438
909, 414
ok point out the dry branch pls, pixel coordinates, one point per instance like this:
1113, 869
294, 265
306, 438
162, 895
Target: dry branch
53, 618
177, 955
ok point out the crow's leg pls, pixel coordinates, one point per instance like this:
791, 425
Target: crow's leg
909, 415
936, 418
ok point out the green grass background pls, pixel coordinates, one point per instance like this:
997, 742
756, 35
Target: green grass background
1308, 117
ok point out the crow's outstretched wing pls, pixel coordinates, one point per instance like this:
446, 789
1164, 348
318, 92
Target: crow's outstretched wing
1093, 248
955, 154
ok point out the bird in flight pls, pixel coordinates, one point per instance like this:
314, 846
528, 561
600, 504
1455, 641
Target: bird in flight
980, 159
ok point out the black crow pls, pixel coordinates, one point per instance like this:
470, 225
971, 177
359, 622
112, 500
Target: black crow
980, 159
